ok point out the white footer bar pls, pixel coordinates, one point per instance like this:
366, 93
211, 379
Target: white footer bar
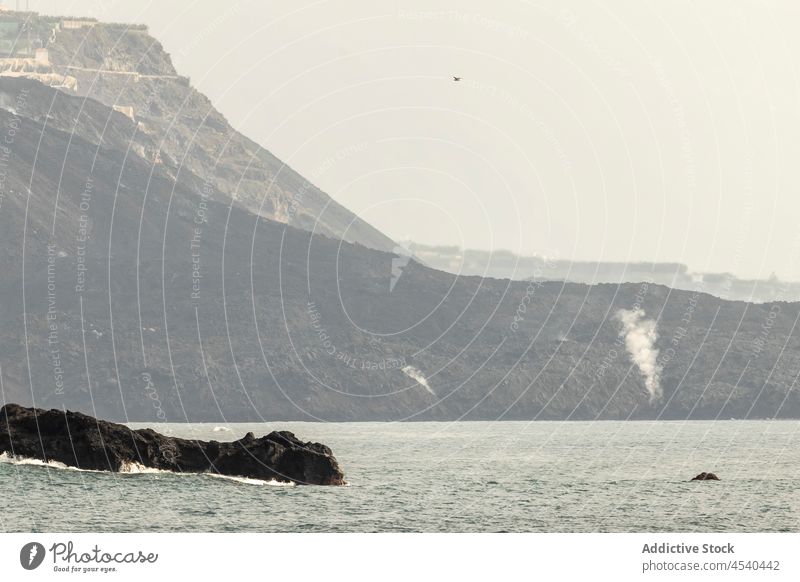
375, 557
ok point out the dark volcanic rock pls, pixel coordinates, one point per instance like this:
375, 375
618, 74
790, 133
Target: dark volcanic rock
706, 477
78, 440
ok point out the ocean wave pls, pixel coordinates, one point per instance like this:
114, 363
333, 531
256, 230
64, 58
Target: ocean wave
249, 481
6, 458
134, 468
31, 462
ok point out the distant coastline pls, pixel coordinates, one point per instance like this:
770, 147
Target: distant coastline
503, 264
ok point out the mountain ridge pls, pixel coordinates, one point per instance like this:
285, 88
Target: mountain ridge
150, 296
125, 68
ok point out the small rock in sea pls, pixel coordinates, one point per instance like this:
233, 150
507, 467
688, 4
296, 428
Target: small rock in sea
706, 477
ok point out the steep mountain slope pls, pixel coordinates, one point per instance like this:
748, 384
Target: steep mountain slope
132, 290
124, 66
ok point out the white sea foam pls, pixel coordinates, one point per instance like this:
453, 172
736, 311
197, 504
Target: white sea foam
31, 462
6, 458
28, 461
138, 468
221, 429
133, 468
248, 481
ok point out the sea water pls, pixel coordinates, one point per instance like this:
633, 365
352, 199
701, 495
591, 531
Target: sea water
447, 477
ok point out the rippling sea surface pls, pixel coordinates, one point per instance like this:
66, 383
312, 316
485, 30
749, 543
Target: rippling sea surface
451, 477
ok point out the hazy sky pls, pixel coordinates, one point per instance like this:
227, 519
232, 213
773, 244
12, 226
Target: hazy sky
625, 130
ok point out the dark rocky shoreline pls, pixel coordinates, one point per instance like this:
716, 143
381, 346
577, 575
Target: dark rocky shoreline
81, 441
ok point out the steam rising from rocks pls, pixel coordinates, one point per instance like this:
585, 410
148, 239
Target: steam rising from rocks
640, 337
417, 376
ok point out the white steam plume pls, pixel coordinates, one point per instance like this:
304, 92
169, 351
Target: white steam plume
417, 376
640, 338
7, 103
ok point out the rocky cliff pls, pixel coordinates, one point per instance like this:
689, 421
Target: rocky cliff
123, 67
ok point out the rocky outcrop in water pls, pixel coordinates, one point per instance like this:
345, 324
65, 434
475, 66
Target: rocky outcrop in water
705, 477
81, 441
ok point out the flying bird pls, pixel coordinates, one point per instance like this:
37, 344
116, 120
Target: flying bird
456, 78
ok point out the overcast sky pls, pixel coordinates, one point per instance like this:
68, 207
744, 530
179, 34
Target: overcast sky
664, 131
